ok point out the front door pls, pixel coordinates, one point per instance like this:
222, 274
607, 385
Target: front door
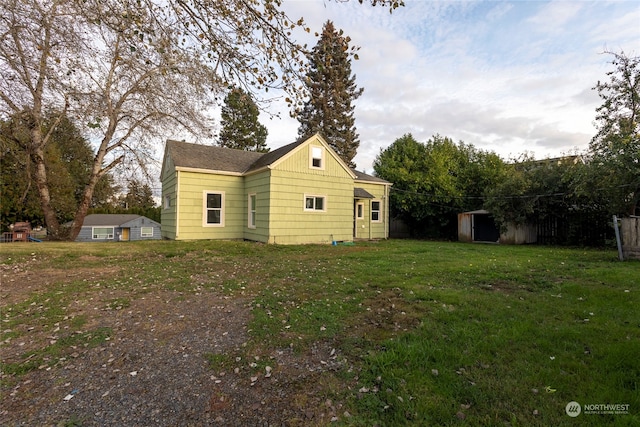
358, 214
125, 235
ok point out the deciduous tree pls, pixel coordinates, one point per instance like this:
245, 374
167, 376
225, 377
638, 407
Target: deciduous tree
615, 149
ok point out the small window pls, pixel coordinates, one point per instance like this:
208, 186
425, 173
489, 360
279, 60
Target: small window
102, 233
317, 157
214, 209
146, 231
375, 211
314, 203
360, 211
252, 211
167, 201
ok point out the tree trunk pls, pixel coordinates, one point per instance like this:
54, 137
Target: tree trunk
40, 175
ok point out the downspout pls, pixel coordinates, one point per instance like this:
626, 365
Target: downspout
386, 212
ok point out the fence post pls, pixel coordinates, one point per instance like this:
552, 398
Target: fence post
617, 229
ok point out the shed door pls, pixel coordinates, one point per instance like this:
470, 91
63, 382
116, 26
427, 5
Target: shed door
485, 229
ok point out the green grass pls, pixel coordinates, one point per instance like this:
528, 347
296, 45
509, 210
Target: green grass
433, 333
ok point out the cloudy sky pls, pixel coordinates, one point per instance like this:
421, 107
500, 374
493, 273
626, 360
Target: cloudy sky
508, 77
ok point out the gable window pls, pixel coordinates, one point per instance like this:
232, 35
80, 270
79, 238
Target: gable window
315, 203
146, 231
375, 211
252, 211
316, 155
102, 233
360, 210
213, 209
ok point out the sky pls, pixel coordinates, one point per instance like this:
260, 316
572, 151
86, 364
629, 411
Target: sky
505, 76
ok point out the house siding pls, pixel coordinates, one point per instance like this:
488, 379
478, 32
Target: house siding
291, 223
135, 229
259, 185
168, 215
191, 190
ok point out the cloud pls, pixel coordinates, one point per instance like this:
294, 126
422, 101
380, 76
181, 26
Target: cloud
503, 76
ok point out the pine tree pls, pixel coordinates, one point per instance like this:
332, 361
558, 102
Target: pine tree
240, 126
332, 88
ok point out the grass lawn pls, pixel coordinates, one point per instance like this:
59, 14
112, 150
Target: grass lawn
429, 333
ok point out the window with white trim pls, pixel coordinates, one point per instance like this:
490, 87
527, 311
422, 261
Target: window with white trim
375, 211
315, 203
316, 157
146, 231
360, 210
213, 209
252, 211
102, 233
167, 201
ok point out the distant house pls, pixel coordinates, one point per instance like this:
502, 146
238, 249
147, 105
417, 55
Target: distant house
300, 193
118, 228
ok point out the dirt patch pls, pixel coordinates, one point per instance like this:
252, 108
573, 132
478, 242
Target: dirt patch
158, 365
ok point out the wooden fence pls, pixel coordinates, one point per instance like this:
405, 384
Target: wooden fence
630, 233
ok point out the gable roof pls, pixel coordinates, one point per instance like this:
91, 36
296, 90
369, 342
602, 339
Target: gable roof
222, 159
110, 220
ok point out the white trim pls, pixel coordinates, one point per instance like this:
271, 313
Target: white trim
314, 197
207, 171
177, 204
250, 212
205, 209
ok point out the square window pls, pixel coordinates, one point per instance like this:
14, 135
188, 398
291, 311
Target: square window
314, 203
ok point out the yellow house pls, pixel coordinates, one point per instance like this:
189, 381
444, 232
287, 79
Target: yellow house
300, 193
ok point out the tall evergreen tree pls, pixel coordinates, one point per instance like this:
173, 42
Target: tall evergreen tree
240, 126
331, 89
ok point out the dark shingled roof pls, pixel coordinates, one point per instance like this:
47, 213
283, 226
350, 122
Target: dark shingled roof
96, 220
361, 176
197, 156
361, 193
